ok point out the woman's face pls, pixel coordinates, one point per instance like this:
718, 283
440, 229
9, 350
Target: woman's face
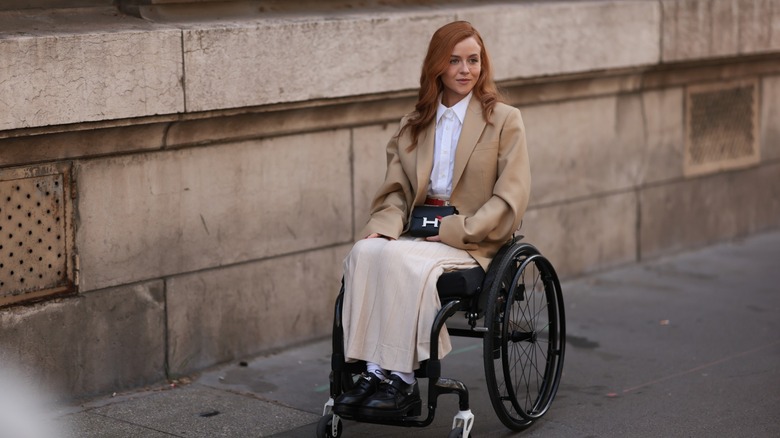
463, 71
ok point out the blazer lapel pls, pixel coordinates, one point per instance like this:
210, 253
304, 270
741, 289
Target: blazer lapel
469, 135
424, 165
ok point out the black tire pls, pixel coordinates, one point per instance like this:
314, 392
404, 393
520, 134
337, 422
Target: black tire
524, 346
325, 427
456, 433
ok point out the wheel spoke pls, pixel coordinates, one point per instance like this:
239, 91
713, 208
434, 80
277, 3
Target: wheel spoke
524, 377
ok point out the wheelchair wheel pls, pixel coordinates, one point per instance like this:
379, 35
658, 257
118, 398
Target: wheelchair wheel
524, 345
325, 428
456, 433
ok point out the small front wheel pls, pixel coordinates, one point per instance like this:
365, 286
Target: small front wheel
456, 433
325, 427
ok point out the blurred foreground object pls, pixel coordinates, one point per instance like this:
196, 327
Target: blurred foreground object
24, 411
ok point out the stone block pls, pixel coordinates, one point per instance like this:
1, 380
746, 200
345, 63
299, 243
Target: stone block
64, 74
222, 314
545, 38
688, 29
586, 147
287, 121
157, 214
287, 60
692, 213
587, 235
90, 344
79, 144
663, 123
770, 114
694, 29
369, 167
759, 26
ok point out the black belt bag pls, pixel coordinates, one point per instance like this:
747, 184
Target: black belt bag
426, 219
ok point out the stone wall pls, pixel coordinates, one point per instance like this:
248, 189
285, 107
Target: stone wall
218, 171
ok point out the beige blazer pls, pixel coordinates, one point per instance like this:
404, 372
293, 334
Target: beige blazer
490, 186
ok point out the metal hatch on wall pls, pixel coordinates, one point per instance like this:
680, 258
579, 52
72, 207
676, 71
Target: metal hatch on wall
35, 233
722, 126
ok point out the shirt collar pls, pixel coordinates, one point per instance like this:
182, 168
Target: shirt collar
459, 108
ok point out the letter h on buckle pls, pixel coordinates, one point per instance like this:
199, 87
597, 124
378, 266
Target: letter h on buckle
434, 222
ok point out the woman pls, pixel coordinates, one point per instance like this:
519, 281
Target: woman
460, 146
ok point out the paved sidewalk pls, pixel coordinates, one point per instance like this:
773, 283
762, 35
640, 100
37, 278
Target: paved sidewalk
688, 345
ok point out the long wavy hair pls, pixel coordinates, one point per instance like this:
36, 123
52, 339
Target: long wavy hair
437, 60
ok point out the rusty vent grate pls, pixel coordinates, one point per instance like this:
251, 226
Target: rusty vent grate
33, 239
722, 125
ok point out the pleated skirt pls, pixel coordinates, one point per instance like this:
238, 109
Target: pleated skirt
390, 300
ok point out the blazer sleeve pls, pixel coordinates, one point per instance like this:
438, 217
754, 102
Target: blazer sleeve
390, 207
500, 216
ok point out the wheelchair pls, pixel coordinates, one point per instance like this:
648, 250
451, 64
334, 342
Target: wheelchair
516, 307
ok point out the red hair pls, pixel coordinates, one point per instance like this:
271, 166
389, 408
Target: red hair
436, 62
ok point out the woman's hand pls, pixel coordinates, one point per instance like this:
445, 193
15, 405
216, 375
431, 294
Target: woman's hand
433, 239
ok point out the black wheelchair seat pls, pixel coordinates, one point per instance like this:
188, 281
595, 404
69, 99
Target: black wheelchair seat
461, 284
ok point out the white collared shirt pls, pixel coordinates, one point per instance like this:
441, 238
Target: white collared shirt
449, 122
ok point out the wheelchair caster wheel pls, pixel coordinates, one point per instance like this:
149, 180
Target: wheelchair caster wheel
325, 427
456, 433
462, 424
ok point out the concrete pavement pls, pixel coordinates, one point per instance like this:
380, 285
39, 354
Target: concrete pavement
687, 345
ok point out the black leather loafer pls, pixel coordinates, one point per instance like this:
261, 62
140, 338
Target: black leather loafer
348, 403
393, 399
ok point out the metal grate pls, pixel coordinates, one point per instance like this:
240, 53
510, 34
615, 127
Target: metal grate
722, 125
33, 241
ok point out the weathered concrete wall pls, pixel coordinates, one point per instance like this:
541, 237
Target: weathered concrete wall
706, 28
139, 68
251, 307
543, 38
55, 70
611, 189
222, 62
221, 170
210, 207
770, 115
92, 343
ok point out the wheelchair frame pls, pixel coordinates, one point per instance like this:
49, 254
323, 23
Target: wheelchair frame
509, 309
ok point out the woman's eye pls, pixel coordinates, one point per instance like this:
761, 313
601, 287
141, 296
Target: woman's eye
474, 61
454, 61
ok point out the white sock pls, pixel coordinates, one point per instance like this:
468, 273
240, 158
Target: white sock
408, 378
375, 369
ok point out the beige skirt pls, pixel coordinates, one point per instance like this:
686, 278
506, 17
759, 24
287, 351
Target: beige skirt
390, 300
